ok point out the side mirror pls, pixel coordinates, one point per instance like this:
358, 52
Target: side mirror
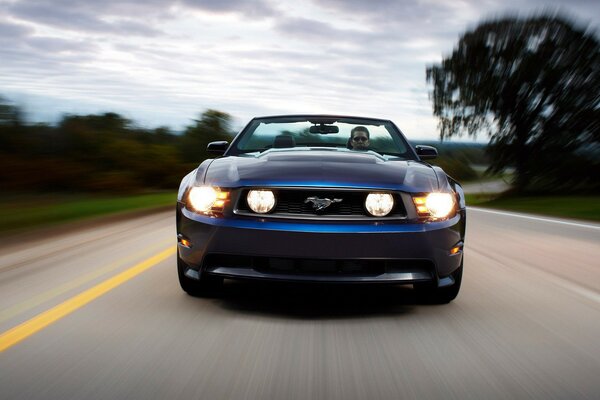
426, 152
217, 147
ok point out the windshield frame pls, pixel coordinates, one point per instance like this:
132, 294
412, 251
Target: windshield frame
233, 149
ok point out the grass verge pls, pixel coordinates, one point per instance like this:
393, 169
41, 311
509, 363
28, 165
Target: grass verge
18, 213
580, 207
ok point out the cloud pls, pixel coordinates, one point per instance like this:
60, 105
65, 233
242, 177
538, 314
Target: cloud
58, 45
9, 31
249, 8
318, 31
127, 17
78, 19
383, 10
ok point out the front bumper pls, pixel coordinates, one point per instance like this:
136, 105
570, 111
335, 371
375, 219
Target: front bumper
261, 248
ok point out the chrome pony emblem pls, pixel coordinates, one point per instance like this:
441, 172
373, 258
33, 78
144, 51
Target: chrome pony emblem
321, 204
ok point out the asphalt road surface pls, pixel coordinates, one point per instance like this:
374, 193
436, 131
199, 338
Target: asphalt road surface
98, 314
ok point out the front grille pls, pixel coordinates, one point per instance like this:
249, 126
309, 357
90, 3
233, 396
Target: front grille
292, 203
309, 266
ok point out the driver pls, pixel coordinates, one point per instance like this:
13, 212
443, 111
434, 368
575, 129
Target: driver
359, 138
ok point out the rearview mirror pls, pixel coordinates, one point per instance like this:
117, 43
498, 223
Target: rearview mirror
323, 129
426, 152
217, 147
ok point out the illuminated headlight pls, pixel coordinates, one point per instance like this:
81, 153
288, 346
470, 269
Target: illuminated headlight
204, 199
379, 204
436, 205
261, 201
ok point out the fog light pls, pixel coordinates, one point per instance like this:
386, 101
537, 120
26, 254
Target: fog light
379, 204
261, 201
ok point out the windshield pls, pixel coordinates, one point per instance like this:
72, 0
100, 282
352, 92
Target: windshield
343, 133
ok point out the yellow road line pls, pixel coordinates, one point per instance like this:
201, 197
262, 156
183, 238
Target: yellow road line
39, 322
48, 295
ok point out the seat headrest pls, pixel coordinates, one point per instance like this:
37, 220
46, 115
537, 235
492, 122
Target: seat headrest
283, 141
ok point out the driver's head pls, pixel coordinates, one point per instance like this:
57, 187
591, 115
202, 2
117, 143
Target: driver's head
359, 138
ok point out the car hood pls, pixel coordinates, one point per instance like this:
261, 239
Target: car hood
322, 168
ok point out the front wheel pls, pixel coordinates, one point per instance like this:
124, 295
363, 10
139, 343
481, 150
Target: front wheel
431, 294
207, 286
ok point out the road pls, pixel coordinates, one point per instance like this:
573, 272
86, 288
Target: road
495, 186
525, 325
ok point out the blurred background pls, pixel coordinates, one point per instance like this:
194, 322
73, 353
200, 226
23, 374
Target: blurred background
106, 105
103, 111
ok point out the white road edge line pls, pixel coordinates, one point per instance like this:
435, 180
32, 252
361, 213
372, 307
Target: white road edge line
559, 281
527, 216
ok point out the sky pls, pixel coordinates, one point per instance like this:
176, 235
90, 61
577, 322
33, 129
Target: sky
163, 62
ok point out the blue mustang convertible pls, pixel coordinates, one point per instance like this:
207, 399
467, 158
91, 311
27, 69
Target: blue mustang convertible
321, 198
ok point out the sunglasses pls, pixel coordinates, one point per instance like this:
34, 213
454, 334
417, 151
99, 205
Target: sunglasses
360, 139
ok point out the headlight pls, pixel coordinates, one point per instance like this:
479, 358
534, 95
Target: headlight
379, 204
436, 205
261, 201
204, 199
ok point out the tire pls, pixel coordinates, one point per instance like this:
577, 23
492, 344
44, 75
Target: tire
207, 286
429, 293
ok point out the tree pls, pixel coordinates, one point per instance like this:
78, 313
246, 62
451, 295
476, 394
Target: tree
10, 114
212, 126
10, 123
533, 85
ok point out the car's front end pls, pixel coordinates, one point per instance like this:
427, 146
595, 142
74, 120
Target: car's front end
320, 215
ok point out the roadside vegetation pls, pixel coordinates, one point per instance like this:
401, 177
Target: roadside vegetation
104, 153
531, 84
459, 158
23, 212
579, 207
93, 165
